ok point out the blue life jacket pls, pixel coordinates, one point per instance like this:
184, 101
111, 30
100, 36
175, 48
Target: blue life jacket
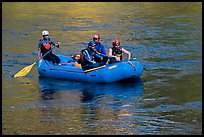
100, 48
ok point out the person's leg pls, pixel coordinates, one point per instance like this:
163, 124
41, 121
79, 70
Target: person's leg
112, 60
53, 60
96, 65
105, 59
87, 66
56, 58
97, 59
49, 58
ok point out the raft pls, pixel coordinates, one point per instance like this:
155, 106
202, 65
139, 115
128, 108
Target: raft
108, 73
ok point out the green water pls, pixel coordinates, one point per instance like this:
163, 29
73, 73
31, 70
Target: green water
165, 37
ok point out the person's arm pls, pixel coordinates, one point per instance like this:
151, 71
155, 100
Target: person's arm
57, 44
87, 57
110, 53
127, 52
39, 50
103, 51
100, 56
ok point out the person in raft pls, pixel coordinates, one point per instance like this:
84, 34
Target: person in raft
115, 53
76, 58
76, 61
44, 45
99, 48
89, 55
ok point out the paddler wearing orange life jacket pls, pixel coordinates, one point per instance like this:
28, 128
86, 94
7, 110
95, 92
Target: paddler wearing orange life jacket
44, 45
115, 53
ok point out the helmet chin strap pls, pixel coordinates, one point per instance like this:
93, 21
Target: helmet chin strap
45, 37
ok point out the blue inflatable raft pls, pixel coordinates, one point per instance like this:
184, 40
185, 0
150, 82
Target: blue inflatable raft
104, 74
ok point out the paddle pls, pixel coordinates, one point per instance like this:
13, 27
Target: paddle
27, 69
88, 70
132, 64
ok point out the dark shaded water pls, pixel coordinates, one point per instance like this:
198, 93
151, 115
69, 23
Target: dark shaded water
165, 37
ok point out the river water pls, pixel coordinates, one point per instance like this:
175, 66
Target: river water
165, 37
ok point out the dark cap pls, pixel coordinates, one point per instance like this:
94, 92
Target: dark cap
91, 43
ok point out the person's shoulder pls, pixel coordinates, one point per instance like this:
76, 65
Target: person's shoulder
122, 49
100, 43
83, 49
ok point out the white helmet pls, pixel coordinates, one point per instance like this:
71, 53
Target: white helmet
45, 32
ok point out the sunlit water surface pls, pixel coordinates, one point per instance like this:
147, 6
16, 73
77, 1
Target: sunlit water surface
164, 37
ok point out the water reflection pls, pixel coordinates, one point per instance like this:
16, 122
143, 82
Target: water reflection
96, 105
47, 94
110, 103
90, 91
50, 110
165, 37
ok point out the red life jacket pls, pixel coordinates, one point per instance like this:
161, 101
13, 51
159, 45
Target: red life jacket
47, 46
81, 56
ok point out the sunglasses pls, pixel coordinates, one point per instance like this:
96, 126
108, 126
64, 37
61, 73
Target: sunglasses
93, 45
95, 38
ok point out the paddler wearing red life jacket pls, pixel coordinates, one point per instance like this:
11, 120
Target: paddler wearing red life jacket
44, 45
115, 53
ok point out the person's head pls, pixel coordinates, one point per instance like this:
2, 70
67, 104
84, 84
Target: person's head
116, 43
92, 45
96, 38
76, 57
45, 34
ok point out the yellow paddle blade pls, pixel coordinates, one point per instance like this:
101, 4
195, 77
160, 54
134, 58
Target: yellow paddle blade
24, 71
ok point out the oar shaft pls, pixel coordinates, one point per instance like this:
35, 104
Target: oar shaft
88, 70
132, 65
27, 69
45, 54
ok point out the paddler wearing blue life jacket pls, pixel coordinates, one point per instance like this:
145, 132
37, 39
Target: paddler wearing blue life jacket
100, 48
115, 53
89, 56
44, 45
